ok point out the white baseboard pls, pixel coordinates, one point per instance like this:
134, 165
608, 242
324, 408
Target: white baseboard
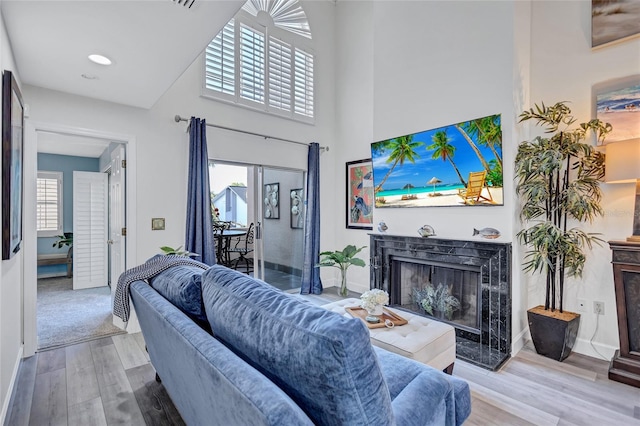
598, 350
519, 341
14, 376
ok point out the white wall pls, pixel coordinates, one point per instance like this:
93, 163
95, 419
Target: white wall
162, 144
564, 67
409, 66
11, 280
404, 67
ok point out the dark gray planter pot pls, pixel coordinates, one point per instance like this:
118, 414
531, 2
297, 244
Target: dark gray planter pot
553, 333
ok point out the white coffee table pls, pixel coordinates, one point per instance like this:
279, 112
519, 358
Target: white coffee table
427, 341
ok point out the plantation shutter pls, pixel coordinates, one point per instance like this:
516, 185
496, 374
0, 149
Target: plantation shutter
279, 74
252, 70
220, 61
49, 203
303, 78
90, 226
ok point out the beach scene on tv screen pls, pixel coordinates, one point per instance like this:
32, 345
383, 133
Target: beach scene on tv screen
455, 165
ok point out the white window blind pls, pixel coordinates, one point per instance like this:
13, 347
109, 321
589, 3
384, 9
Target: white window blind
279, 74
303, 83
251, 64
49, 204
221, 61
265, 68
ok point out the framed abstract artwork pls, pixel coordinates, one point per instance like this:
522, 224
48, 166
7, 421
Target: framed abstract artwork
271, 201
296, 198
360, 194
12, 142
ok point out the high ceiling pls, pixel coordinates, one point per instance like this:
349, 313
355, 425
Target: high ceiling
151, 43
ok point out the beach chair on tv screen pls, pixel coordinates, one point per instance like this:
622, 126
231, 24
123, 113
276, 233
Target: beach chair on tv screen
472, 194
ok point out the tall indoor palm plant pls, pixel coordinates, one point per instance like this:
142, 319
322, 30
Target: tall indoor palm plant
558, 181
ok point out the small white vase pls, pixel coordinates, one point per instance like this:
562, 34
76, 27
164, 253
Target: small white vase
377, 310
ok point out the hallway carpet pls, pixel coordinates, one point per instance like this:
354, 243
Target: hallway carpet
66, 316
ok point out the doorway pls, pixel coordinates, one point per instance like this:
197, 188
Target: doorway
54, 140
273, 200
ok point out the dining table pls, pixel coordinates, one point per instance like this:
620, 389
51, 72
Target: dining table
223, 240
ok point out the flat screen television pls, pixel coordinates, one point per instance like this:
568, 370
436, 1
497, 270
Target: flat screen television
455, 165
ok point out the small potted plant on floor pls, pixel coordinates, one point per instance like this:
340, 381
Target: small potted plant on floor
342, 259
65, 240
557, 179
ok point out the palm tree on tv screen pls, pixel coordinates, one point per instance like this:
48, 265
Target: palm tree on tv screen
443, 149
461, 128
488, 132
402, 149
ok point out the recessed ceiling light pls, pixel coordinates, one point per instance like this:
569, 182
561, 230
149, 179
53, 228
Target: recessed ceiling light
99, 59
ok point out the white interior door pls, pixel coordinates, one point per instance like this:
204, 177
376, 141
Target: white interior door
90, 203
117, 215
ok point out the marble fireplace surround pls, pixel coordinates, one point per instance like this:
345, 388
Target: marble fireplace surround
490, 345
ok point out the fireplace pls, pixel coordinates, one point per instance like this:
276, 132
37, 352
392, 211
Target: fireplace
445, 292
464, 283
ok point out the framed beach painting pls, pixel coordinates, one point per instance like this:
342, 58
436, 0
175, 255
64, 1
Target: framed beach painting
359, 194
12, 142
621, 108
614, 21
455, 165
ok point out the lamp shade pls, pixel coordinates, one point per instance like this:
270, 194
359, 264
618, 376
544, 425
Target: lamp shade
622, 161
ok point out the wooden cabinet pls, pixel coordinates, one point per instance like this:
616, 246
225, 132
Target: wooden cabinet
625, 365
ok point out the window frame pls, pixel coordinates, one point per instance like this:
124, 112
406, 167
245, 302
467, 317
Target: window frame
295, 42
59, 177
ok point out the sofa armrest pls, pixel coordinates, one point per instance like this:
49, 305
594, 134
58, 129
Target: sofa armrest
422, 395
425, 400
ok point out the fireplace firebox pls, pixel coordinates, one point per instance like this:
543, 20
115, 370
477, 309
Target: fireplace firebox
464, 283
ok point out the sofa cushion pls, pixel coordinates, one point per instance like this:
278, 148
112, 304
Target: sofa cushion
324, 361
182, 286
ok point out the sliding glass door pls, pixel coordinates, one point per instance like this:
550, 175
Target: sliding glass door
272, 200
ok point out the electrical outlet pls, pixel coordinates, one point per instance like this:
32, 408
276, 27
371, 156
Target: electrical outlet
582, 305
598, 308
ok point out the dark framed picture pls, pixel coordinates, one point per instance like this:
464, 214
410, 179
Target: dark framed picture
360, 194
296, 210
12, 141
272, 201
614, 21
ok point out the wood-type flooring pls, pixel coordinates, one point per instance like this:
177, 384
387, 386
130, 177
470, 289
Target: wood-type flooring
110, 381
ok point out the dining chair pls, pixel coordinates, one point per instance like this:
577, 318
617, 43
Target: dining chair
244, 247
221, 243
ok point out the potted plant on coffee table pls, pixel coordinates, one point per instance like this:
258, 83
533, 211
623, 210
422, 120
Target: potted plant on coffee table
557, 179
342, 259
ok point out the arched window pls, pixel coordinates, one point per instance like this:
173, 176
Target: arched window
263, 59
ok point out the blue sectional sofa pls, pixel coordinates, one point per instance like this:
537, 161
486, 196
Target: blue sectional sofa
273, 359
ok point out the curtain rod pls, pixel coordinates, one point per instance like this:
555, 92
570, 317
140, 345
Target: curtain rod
178, 119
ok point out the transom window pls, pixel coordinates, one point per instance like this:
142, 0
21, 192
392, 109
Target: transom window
262, 59
49, 204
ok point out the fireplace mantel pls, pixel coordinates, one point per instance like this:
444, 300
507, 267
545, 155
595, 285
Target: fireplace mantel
490, 345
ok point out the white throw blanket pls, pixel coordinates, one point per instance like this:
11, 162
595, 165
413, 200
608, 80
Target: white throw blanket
149, 269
